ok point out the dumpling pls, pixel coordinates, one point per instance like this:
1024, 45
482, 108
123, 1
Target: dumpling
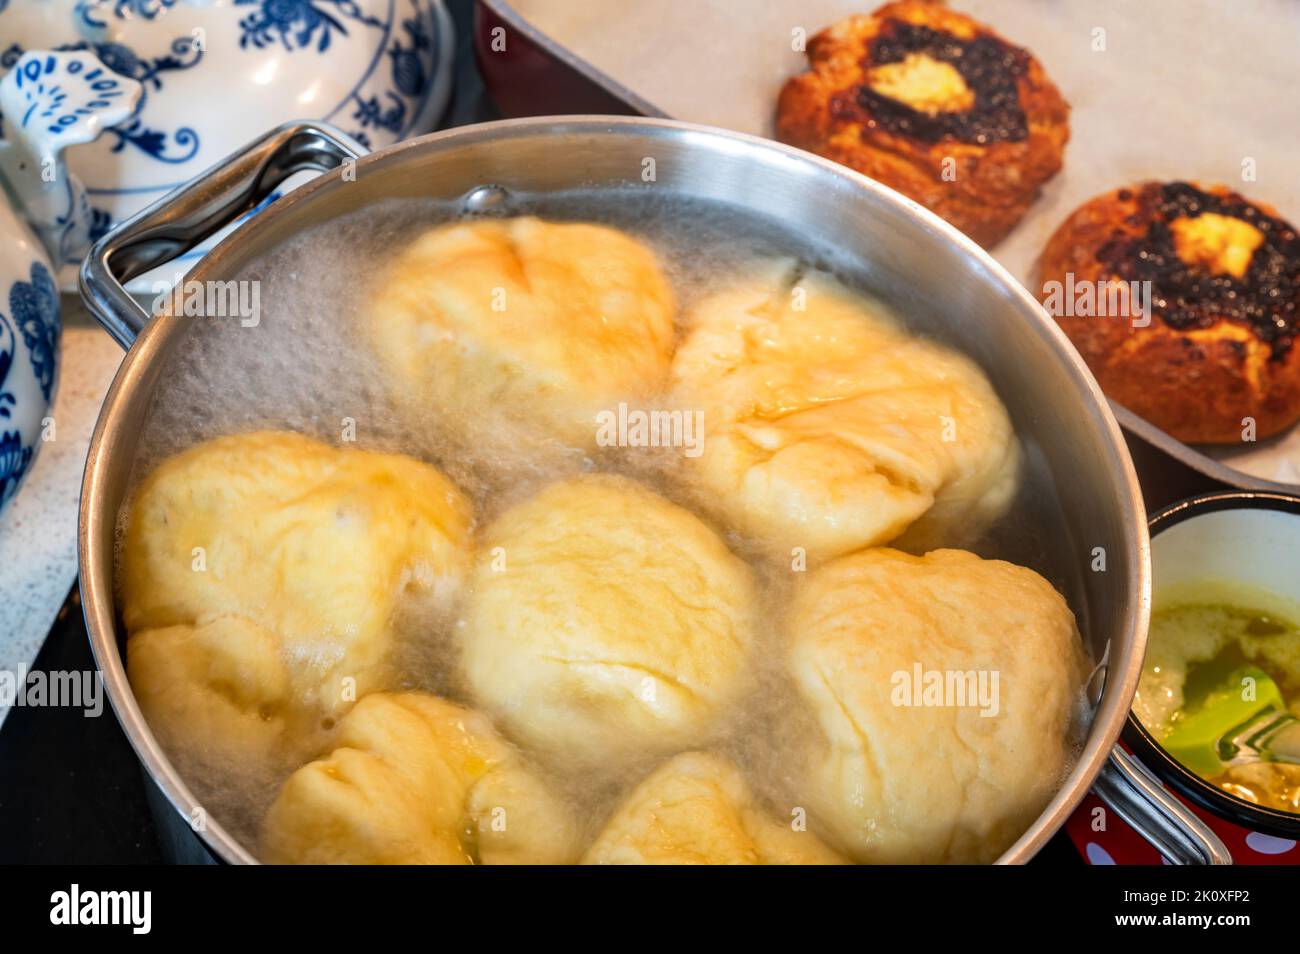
261, 577
697, 809
604, 623
910, 773
528, 321
217, 691
829, 428
415, 779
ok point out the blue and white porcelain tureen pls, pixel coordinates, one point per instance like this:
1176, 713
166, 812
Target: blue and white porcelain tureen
48, 102
219, 73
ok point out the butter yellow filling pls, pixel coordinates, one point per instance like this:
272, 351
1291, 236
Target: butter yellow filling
1221, 243
924, 83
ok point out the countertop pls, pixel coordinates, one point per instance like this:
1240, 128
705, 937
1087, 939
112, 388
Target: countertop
38, 530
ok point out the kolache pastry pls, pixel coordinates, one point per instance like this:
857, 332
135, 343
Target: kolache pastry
260, 576
1220, 275
523, 322
902, 773
414, 779
697, 809
935, 105
829, 428
604, 624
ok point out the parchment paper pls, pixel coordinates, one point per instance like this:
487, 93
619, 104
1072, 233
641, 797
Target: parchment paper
1180, 89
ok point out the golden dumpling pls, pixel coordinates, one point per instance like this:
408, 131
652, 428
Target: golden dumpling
261, 574
828, 428
605, 623
414, 779
219, 689
944, 687
697, 810
537, 322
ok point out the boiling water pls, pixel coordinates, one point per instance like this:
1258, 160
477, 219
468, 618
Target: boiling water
308, 366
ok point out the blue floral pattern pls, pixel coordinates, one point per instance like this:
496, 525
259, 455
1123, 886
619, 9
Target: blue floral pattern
390, 104
14, 457
408, 66
88, 11
184, 55
101, 220
8, 345
35, 309
296, 24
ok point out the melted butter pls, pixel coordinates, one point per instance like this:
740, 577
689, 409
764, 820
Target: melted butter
1268, 784
927, 85
1194, 647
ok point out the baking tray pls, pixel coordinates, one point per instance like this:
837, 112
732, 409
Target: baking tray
1166, 89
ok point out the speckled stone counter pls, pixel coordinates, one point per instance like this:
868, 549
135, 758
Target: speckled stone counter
38, 530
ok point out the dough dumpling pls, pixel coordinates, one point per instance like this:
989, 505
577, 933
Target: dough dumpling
918, 784
415, 779
605, 623
261, 574
219, 690
828, 427
697, 810
543, 323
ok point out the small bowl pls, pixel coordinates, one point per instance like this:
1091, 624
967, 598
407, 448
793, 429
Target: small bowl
1243, 537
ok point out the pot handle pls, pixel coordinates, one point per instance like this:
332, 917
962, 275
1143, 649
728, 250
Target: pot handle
1162, 820
196, 211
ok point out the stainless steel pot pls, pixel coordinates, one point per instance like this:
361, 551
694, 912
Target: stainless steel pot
910, 256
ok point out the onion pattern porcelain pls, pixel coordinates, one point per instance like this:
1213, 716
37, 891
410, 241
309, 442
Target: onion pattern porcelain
48, 102
217, 73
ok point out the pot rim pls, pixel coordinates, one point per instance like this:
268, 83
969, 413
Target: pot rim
1204, 794
1120, 676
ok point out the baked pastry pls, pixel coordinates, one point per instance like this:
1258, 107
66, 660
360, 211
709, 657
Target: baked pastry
1209, 342
539, 325
696, 809
828, 428
604, 624
260, 576
935, 105
913, 771
414, 779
